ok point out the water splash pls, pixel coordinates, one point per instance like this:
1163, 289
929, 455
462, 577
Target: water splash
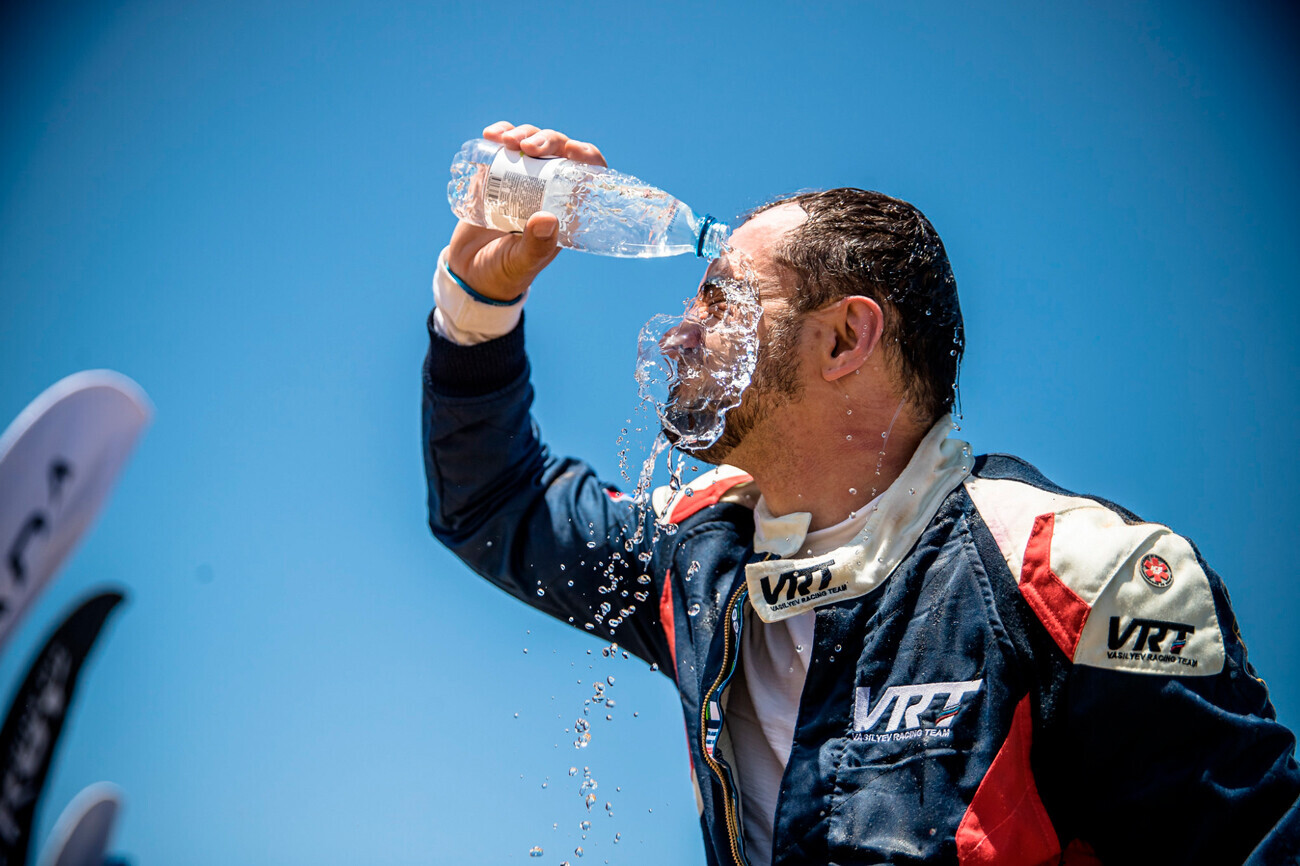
693, 368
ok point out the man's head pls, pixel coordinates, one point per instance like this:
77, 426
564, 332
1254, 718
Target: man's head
837, 273
856, 242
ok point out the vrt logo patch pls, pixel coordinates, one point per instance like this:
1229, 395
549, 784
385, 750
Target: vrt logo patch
905, 705
1149, 645
800, 586
1156, 571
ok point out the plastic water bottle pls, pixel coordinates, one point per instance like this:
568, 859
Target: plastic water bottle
600, 211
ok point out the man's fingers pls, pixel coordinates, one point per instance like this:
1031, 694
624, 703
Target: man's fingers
583, 151
519, 133
545, 142
496, 131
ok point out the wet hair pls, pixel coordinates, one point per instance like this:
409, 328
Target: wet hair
857, 242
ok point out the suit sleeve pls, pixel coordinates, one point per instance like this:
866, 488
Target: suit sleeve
542, 528
1162, 744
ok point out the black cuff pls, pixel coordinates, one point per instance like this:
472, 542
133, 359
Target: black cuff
453, 370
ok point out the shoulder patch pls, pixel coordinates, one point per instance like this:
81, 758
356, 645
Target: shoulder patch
1112, 595
721, 484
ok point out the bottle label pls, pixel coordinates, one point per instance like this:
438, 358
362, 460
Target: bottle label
516, 188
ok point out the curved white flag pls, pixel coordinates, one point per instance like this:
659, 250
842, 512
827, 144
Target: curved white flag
58, 461
81, 835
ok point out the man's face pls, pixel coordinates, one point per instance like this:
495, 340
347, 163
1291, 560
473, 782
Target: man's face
716, 372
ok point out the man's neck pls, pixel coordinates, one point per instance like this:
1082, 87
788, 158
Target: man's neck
830, 463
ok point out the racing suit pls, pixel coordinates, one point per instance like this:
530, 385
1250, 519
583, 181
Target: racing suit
1002, 671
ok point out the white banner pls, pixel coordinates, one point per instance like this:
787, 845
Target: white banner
81, 835
58, 461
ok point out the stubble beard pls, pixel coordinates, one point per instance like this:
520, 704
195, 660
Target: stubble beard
774, 384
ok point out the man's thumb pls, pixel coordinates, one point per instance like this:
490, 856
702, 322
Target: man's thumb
539, 238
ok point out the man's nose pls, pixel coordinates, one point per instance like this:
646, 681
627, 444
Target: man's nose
682, 339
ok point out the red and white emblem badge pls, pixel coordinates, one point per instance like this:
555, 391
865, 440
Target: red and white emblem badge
1156, 571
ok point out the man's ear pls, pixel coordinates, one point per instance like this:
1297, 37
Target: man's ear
857, 324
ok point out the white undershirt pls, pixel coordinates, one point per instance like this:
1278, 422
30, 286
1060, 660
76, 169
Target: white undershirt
763, 701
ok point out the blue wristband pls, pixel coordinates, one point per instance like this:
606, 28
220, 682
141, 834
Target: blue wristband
482, 299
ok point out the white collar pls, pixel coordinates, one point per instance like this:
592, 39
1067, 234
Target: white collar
783, 536
890, 527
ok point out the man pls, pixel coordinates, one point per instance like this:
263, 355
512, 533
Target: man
887, 650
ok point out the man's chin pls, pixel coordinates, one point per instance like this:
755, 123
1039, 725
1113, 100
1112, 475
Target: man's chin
683, 425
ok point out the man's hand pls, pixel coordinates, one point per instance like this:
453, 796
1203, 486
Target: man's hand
502, 266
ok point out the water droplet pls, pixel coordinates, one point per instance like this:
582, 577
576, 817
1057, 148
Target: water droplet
693, 610
487, 544
848, 438
591, 544
525, 650
853, 491
798, 647
573, 771
578, 850
617, 836
541, 591
609, 680
591, 801
654, 666
535, 851
837, 647
643, 579
585, 825
912, 491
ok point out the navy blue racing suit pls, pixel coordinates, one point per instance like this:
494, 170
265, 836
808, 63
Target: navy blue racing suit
1002, 671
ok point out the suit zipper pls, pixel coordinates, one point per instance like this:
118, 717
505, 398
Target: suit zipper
731, 807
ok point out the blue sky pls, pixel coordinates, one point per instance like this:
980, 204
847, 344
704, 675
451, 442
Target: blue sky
240, 206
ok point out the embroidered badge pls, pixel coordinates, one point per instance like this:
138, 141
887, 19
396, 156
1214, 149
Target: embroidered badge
1155, 571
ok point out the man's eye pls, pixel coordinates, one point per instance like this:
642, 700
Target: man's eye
712, 296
